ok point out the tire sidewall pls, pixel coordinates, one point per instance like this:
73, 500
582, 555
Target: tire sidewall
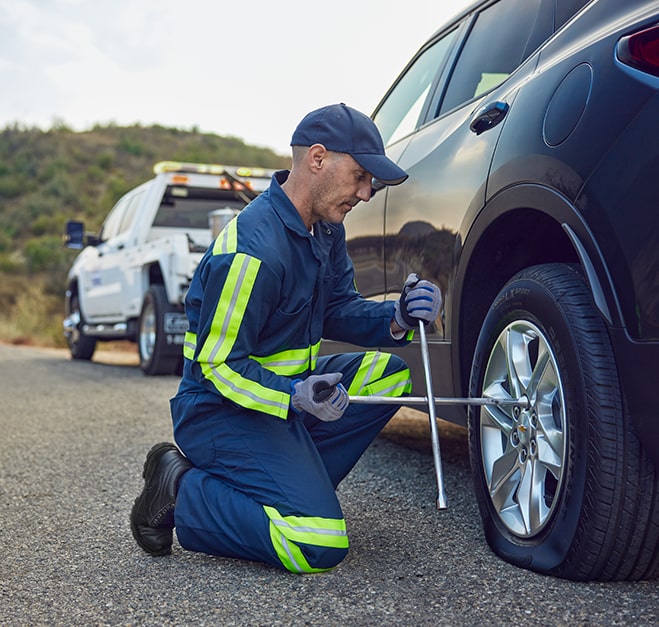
163, 357
528, 300
82, 349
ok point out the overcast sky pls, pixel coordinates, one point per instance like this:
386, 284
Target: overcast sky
250, 69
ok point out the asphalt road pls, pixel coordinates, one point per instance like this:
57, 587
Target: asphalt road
74, 437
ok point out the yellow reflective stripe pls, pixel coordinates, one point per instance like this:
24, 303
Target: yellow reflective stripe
247, 393
227, 240
286, 531
368, 381
189, 345
229, 314
230, 309
292, 362
395, 384
372, 367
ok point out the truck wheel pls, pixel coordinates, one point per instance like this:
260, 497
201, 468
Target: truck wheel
156, 355
563, 485
81, 346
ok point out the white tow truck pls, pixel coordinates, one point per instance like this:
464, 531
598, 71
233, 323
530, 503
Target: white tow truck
130, 279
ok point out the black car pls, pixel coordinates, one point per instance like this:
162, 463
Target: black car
530, 130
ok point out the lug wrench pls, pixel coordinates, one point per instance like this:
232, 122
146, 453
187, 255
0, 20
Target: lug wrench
432, 401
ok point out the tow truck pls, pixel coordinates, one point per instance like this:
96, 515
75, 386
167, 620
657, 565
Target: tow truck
130, 279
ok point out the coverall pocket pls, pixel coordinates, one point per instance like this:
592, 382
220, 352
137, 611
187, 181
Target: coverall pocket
291, 328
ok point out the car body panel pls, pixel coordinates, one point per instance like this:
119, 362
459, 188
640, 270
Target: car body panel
569, 175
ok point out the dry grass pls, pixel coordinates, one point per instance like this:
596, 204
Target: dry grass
29, 314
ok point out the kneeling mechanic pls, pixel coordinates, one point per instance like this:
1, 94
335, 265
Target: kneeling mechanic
263, 421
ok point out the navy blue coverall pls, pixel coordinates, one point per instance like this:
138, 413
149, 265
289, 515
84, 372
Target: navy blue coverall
264, 477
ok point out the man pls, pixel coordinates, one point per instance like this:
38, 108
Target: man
263, 420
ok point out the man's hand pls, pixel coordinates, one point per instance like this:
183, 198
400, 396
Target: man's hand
419, 300
321, 395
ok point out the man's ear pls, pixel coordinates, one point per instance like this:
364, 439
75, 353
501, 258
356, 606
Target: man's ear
316, 156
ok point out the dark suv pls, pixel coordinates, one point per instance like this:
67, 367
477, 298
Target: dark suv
530, 130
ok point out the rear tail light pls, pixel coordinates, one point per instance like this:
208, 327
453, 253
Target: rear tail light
641, 50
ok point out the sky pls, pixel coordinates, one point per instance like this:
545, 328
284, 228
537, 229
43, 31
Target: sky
244, 69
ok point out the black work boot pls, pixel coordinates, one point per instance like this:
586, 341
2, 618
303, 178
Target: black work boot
152, 516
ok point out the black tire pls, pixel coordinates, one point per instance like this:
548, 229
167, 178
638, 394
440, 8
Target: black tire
81, 346
157, 356
563, 485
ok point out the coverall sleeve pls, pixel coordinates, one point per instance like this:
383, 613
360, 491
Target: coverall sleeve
238, 294
352, 318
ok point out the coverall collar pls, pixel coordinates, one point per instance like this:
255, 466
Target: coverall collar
282, 204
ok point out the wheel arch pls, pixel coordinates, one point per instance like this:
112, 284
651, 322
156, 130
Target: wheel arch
72, 289
153, 275
521, 226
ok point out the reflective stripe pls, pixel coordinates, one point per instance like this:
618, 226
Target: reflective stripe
287, 531
223, 333
292, 362
227, 240
286, 363
368, 381
189, 345
395, 384
372, 367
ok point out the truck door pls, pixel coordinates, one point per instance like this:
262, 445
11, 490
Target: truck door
107, 275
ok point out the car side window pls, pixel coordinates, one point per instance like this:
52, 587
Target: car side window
398, 115
502, 37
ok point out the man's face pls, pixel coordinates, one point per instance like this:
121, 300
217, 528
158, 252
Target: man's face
341, 185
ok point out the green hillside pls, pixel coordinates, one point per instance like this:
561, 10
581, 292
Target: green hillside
49, 177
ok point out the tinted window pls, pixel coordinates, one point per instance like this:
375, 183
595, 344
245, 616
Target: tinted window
399, 114
503, 36
188, 207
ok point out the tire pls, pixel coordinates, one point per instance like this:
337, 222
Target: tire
81, 346
563, 485
157, 357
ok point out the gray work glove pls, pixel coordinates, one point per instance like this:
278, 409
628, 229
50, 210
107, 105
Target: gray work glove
419, 300
321, 395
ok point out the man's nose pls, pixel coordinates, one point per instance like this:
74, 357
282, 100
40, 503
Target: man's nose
364, 192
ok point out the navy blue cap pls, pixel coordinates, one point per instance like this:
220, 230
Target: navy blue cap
341, 128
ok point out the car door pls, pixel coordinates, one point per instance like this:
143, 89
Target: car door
398, 118
449, 152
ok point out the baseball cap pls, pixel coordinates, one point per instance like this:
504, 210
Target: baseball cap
341, 128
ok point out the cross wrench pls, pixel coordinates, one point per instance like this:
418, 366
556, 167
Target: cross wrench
433, 401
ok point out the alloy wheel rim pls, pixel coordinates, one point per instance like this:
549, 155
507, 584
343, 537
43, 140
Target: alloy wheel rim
524, 446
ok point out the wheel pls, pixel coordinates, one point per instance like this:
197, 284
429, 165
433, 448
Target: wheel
563, 485
156, 355
81, 346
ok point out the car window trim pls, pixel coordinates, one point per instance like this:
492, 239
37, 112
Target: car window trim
440, 85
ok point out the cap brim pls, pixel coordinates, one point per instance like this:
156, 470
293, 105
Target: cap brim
381, 168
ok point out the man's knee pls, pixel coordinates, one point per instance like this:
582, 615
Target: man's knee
317, 559
397, 364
